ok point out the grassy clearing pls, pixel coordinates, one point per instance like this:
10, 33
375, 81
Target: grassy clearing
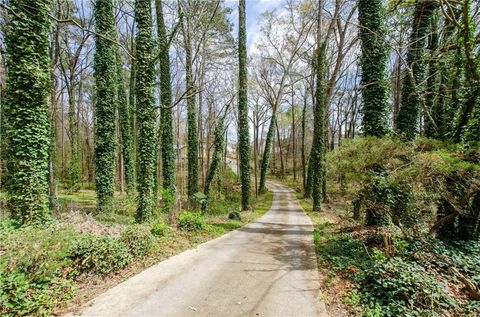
57, 268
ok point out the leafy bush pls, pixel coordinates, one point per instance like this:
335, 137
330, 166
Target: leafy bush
413, 283
414, 178
98, 255
403, 288
341, 251
138, 239
356, 157
160, 229
168, 201
32, 279
24, 294
190, 221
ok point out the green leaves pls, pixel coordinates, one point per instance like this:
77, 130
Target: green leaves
105, 84
26, 110
145, 111
243, 133
374, 65
190, 221
166, 124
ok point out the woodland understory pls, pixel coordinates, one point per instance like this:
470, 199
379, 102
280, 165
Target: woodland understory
132, 130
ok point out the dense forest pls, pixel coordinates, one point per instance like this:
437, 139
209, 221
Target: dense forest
132, 130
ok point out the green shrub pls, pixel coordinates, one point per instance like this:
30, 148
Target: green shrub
32, 264
98, 255
168, 201
404, 288
189, 221
24, 294
138, 239
160, 229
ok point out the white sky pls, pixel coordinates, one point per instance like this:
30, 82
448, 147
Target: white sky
255, 8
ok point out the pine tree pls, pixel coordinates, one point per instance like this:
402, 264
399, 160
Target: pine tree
166, 127
373, 64
412, 90
104, 72
26, 110
145, 110
243, 133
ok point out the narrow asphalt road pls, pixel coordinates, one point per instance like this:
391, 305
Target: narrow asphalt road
267, 268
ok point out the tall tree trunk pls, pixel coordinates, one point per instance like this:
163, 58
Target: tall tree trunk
412, 91
52, 171
255, 148
468, 126
244, 140
397, 91
304, 157
317, 157
431, 100
280, 152
105, 83
294, 145
266, 154
374, 64
132, 106
26, 110
167, 150
74, 163
126, 135
145, 110
192, 135
216, 158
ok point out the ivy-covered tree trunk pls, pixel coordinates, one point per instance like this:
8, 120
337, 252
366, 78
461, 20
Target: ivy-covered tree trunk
125, 127
243, 133
432, 103
378, 191
471, 136
26, 110
469, 60
412, 88
373, 62
52, 168
104, 73
216, 160
166, 128
145, 110
192, 135
266, 153
309, 178
303, 150
317, 155
132, 101
468, 126
374, 86
73, 172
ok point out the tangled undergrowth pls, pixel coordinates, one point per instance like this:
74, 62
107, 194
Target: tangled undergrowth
405, 239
